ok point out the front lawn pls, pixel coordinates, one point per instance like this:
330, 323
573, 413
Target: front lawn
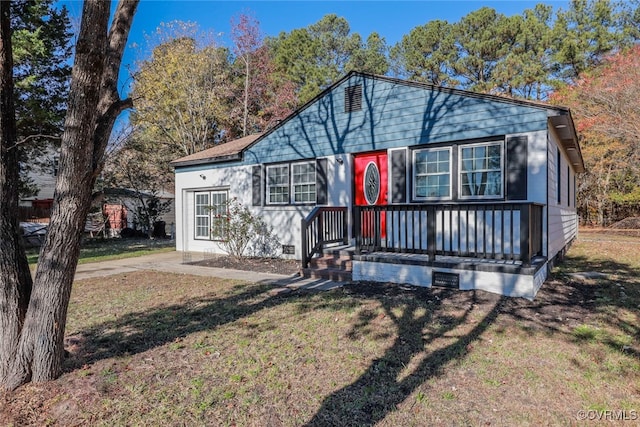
158, 349
93, 250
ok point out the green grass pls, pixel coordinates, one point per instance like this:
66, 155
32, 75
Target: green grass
150, 348
110, 249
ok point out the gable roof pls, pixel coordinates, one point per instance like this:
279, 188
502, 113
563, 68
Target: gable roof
231, 150
559, 117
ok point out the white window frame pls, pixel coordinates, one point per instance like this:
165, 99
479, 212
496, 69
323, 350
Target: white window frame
291, 186
427, 174
219, 213
211, 215
312, 183
206, 216
461, 172
286, 197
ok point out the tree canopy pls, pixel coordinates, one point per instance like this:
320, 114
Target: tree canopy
526, 56
314, 57
181, 94
606, 104
41, 51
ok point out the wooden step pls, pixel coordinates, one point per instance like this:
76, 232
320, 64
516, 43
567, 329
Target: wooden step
342, 251
332, 261
334, 274
335, 264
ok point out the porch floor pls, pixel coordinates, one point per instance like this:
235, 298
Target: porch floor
455, 262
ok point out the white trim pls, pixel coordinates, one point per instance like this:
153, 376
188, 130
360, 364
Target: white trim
210, 206
224, 216
292, 184
414, 195
268, 187
206, 216
501, 283
499, 143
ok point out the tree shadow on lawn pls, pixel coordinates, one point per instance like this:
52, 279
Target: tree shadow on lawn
422, 319
567, 302
561, 307
432, 328
137, 332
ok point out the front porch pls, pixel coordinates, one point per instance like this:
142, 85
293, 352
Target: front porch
496, 247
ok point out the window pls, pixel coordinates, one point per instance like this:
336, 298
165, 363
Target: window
278, 184
219, 216
568, 187
481, 170
211, 214
300, 187
558, 176
304, 182
202, 215
432, 173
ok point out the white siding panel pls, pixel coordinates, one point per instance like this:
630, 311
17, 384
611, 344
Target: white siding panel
562, 218
285, 220
537, 167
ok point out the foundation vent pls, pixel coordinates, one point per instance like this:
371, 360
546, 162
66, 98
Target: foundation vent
445, 280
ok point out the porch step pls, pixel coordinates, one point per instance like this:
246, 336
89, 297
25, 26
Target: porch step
335, 264
333, 274
341, 262
342, 250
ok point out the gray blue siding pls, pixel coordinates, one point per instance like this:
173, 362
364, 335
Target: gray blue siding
393, 115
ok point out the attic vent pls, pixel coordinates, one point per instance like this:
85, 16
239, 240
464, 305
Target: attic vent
353, 98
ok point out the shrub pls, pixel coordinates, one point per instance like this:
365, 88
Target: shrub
239, 228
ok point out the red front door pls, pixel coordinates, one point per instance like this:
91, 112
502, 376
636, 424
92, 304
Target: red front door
371, 188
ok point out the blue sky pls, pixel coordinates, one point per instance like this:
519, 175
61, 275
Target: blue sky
391, 19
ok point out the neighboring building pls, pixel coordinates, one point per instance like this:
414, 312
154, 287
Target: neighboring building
431, 185
43, 177
119, 206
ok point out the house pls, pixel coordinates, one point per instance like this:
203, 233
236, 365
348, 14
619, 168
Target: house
432, 186
37, 206
119, 207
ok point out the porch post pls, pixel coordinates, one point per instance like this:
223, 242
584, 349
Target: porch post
525, 234
431, 232
345, 226
357, 229
304, 243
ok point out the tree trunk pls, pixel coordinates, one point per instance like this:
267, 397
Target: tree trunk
15, 277
93, 106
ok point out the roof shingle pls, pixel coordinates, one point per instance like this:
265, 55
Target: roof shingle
231, 148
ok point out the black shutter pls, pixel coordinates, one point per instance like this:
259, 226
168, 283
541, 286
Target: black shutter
256, 186
517, 156
322, 197
399, 176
